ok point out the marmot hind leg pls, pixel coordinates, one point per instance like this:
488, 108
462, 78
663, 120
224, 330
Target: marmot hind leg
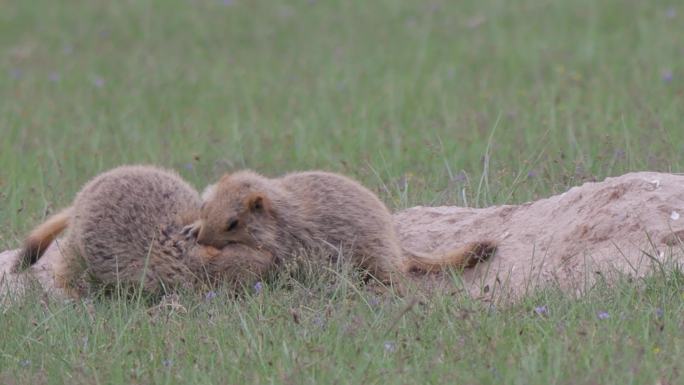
70, 270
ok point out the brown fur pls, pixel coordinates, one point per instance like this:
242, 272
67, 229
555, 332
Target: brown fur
123, 227
40, 238
319, 211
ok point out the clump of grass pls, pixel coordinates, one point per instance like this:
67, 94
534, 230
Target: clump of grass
325, 325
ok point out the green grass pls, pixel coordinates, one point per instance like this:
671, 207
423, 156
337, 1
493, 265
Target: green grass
427, 102
325, 330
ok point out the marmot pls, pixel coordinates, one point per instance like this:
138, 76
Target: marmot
126, 222
320, 211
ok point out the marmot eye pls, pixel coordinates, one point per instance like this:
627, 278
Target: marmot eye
232, 225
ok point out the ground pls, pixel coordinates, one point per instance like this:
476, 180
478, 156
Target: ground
469, 103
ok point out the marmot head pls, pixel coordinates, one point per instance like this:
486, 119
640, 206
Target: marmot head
235, 207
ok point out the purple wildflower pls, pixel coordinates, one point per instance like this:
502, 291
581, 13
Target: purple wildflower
390, 346
54, 77
258, 287
671, 13
531, 174
167, 363
667, 76
16, 73
603, 315
541, 310
461, 177
210, 295
319, 321
374, 301
659, 312
228, 2
98, 82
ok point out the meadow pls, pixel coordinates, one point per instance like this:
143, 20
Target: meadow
470, 103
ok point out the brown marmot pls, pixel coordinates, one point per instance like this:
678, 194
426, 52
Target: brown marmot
124, 227
315, 211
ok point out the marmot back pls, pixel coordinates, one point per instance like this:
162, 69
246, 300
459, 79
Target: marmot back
320, 211
118, 217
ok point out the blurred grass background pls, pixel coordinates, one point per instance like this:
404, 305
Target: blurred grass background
427, 102
409, 97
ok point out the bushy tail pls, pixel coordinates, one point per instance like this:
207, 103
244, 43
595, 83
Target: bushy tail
40, 239
463, 257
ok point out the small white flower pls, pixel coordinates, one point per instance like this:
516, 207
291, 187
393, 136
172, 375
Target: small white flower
674, 216
390, 346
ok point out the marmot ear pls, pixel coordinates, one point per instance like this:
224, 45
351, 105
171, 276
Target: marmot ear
209, 193
258, 202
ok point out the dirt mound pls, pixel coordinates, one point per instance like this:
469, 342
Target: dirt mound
622, 224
